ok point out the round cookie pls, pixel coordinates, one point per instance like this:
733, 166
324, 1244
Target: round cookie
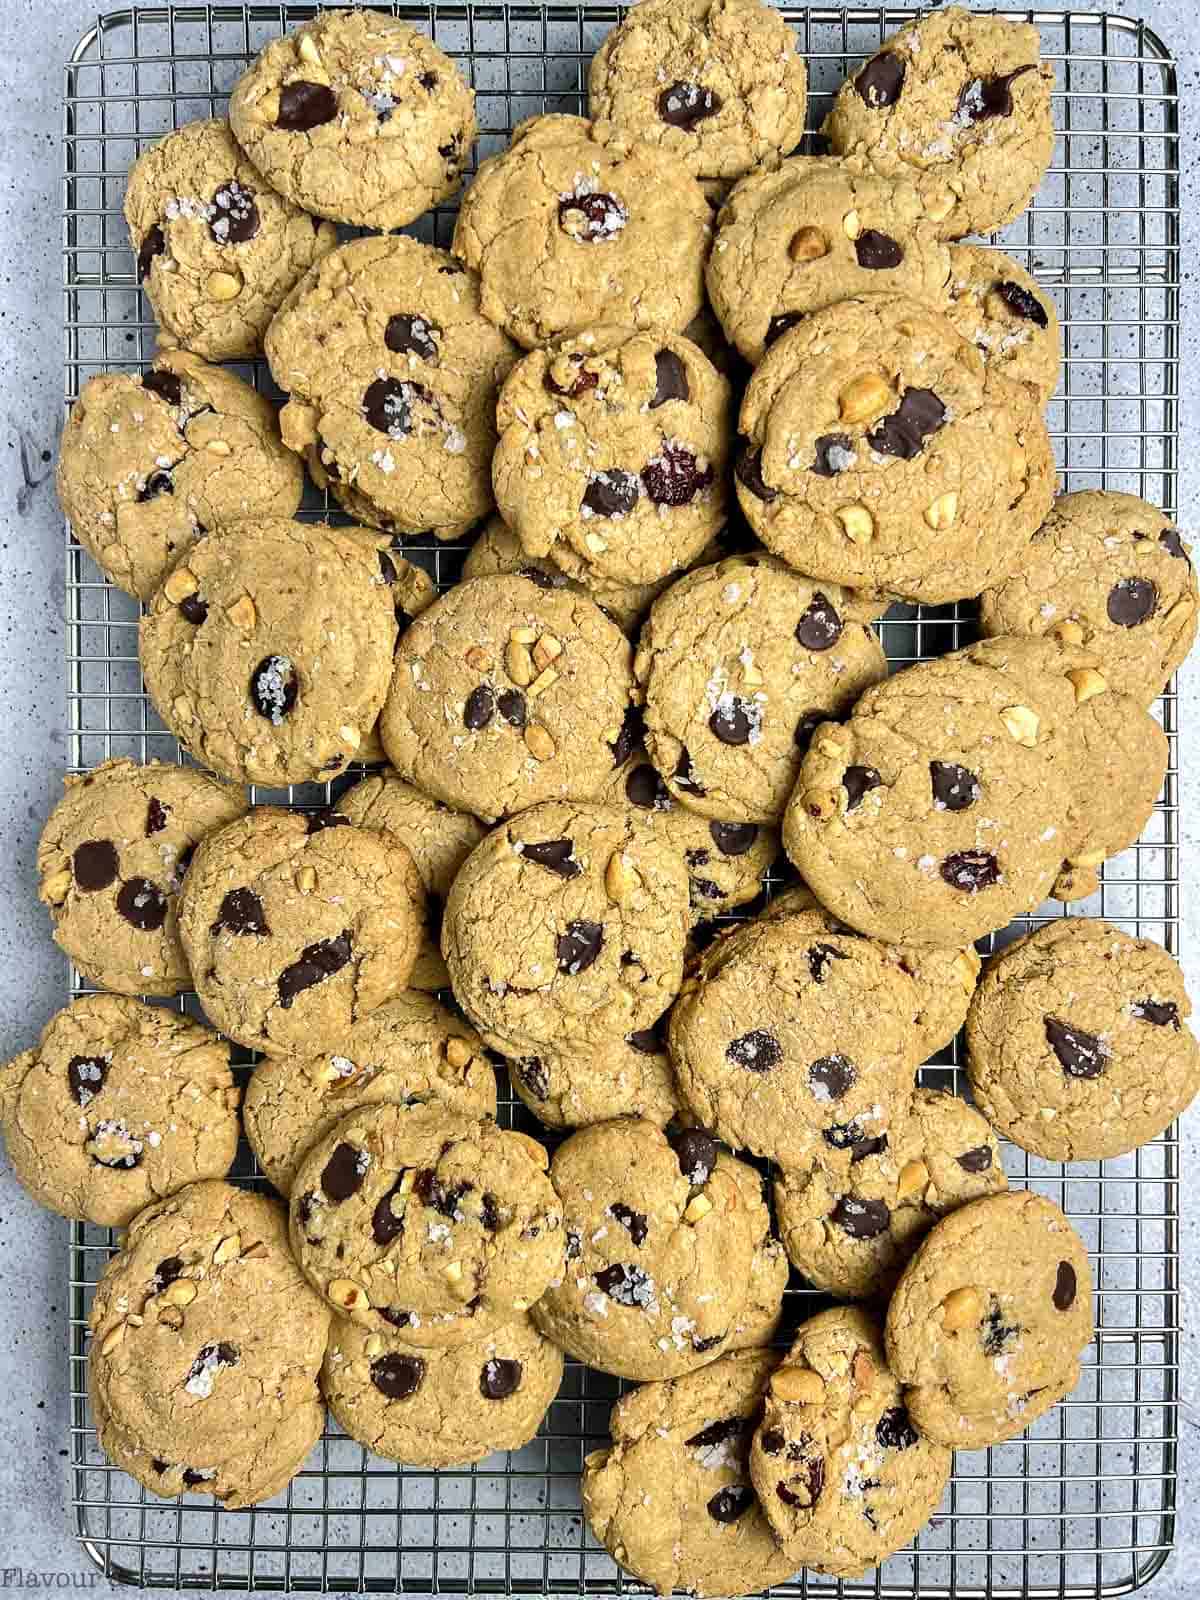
815, 231
565, 929
358, 117
392, 373
629, 1077
1005, 313
267, 649
790, 1046
660, 1236
504, 695
409, 1051
842, 1475
1110, 572
736, 662
671, 1497
205, 1336
441, 1408
421, 1212
1077, 1044
111, 861
295, 930
439, 841
217, 247
148, 463
719, 84
880, 453
116, 1106
989, 1320
958, 105
612, 453
577, 224
850, 1231
936, 813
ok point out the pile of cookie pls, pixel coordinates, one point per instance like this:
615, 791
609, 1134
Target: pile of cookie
586, 751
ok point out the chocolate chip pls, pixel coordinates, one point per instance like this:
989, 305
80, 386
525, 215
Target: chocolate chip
685, 105
85, 1077
498, 1378
820, 627
193, 609
397, 1376
212, 1356
684, 775
1064, 1286
757, 1051
857, 781
772, 1441
316, 963
1162, 1013
579, 946
733, 838
611, 494
806, 727
735, 719
819, 957
584, 379
779, 325
166, 1272
696, 1152
984, 98
626, 1284
876, 251
995, 1333
157, 483
318, 821
142, 904
834, 454
274, 686
193, 1477
304, 105
630, 736
880, 81
387, 405
831, 1076
386, 1223
94, 865
603, 216
645, 789
511, 705
1131, 601
894, 1430
808, 1486
1172, 543
674, 477
428, 80
236, 217
634, 1222
861, 1219
159, 1465
556, 855
344, 1172
574, 1245
1080, 1054
152, 245
903, 434
728, 1504
970, 870
849, 1136
430, 1189
156, 816
720, 1432
533, 1075
670, 379
166, 385
748, 468
645, 1041
398, 1319
954, 787
412, 335
480, 703
1022, 303
241, 912
977, 1160
489, 1212
711, 1343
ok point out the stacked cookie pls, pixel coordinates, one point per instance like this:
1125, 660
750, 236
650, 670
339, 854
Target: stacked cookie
590, 747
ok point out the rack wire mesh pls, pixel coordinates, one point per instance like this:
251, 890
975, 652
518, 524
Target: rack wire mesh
1083, 1504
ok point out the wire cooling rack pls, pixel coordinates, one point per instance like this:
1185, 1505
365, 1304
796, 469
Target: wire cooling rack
1082, 1505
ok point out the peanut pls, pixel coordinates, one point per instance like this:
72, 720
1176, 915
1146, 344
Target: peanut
808, 244
349, 1295
518, 663
858, 523
242, 613
1068, 632
223, 286
229, 1248
914, 1175
546, 650
180, 583
458, 1052
1022, 724
864, 398
179, 1293
697, 1208
851, 225
961, 1309
940, 513
479, 659
539, 743
56, 886
1088, 683
800, 1385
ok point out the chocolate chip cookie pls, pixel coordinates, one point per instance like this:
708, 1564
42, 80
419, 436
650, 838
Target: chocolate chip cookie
268, 648
1077, 1044
111, 860
148, 463
989, 1320
1110, 572
358, 117
217, 246
565, 929
881, 453
577, 223
295, 931
958, 105
117, 1105
629, 1077
1006, 314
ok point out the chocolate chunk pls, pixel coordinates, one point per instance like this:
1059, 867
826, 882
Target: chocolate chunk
970, 870
977, 1160
316, 963
1080, 1054
167, 386
645, 789
398, 1319
1162, 1013
156, 816
630, 736
434, 1193
318, 821
634, 1222
674, 477
779, 325
820, 627
574, 1245
152, 245
894, 1430
757, 1051
241, 912
611, 494
711, 1343
670, 379
733, 838
861, 1219
772, 1441
579, 946
720, 1432
85, 1077
584, 379
984, 98
728, 1504
904, 433
94, 865
684, 774
274, 686
626, 1284
192, 609
1171, 542
603, 217
480, 703
684, 105
831, 1076
386, 1223
166, 1272
806, 727
387, 405
157, 483
819, 957
876, 251
212, 1357
1131, 601
142, 904
735, 719
1022, 303
880, 81
857, 781
511, 705
696, 1152
556, 855
397, 1376
498, 1378
954, 787
645, 1041
344, 1172
1064, 1286
995, 1333
533, 1075
489, 1212
834, 454
412, 334
428, 80
748, 468
849, 1136
804, 1489
236, 217
304, 105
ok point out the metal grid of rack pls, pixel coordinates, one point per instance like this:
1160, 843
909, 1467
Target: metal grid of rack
1082, 1505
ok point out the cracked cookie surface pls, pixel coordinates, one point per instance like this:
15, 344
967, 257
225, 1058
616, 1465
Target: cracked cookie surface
1006, 314
623, 1077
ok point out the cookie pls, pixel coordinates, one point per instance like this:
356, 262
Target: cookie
788, 1045
1110, 572
577, 224
565, 929
989, 1320
217, 247
504, 695
660, 1236
719, 84
671, 1497
843, 1477
111, 860
439, 841
148, 463
1077, 1044
409, 1051
418, 1212
851, 1228
392, 373
935, 814
117, 1105
1006, 314
441, 1408
612, 453
736, 662
959, 106
268, 648
815, 231
205, 1336
295, 930
357, 117
881, 453
629, 1077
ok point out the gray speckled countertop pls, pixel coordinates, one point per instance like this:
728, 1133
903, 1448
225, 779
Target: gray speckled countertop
36, 36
